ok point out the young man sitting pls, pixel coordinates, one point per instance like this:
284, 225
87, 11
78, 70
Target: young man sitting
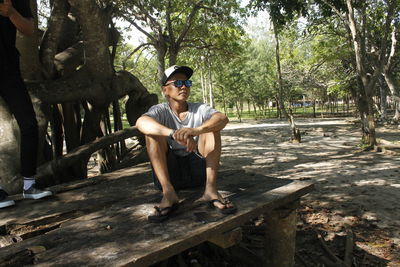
183, 142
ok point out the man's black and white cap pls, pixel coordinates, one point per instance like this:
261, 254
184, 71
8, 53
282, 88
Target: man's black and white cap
176, 69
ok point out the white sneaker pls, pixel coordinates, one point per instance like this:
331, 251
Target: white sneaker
35, 193
4, 201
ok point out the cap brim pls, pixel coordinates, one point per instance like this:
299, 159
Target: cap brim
183, 69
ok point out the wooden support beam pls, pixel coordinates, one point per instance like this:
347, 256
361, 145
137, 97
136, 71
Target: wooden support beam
280, 235
227, 239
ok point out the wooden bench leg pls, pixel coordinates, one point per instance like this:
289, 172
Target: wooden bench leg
281, 236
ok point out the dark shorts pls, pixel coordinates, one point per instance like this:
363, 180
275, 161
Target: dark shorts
184, 172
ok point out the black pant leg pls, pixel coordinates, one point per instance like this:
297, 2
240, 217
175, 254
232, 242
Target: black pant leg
15, 94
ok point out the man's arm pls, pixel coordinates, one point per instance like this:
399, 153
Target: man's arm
216, 123
149, 126
23, 25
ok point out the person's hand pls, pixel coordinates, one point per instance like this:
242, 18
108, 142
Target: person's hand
7, 9
183, 133
184, 137
190, 144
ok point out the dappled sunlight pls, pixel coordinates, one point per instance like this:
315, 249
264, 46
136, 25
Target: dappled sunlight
353, 186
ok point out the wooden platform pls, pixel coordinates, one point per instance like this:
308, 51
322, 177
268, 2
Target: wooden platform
103, 220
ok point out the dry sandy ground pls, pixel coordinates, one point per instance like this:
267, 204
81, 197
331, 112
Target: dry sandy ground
353, 187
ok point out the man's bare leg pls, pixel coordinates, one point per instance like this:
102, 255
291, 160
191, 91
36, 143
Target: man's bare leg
157, 150
210, 148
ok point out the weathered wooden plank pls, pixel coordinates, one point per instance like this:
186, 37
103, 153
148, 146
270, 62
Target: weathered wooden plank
119, 234
227, 239
86, 196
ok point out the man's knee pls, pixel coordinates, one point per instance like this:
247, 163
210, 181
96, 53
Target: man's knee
156, 144
210, 142
211, 138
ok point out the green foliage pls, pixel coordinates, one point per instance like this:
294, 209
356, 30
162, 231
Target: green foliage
317, 59
281, 11
190, 25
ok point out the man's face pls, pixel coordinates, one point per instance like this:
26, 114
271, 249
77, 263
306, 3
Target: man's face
176, 93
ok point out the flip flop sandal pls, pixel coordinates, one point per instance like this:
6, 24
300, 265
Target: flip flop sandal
229, 210
162, 214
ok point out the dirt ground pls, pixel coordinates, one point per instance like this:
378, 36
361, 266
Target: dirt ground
357, 192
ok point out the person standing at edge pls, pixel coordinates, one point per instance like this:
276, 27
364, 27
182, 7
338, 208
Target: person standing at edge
16, 15
183, 142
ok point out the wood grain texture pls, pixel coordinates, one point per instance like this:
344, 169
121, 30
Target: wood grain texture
104, 222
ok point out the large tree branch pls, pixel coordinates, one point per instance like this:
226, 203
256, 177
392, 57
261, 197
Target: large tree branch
82, 86
96, 36
340, 14
154, 23
78, 86
169, 24
393, 48
131, 21
356, 43
133, 52
125, 83
49, 45
69, 60
387, 70
384, 42
189, 21
84, 151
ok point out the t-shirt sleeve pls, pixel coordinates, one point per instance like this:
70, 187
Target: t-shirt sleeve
156, 112
207, 111
23, 7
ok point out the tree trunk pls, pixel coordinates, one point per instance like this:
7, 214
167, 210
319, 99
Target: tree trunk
161, 52
118, 125
203, 86
383, 105
390, 79
72, 129
83, 72
210, 83
57, 134
27, 46
223, 100
296, 137
238, 114
314, 109
10, 178
368, 81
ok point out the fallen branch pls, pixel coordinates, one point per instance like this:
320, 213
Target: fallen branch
329, 251
52, 167
302, 260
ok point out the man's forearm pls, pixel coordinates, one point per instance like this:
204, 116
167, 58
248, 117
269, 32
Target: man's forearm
23, 25
216, 123
149, 126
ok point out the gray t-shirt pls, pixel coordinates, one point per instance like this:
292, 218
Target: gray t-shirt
198, 113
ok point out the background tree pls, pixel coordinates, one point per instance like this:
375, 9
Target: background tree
171, 26
75, 66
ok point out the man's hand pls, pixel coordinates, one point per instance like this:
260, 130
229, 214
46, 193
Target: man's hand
184, 137
184, 133
7, 9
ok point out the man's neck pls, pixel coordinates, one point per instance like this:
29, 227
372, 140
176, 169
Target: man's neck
178, 107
